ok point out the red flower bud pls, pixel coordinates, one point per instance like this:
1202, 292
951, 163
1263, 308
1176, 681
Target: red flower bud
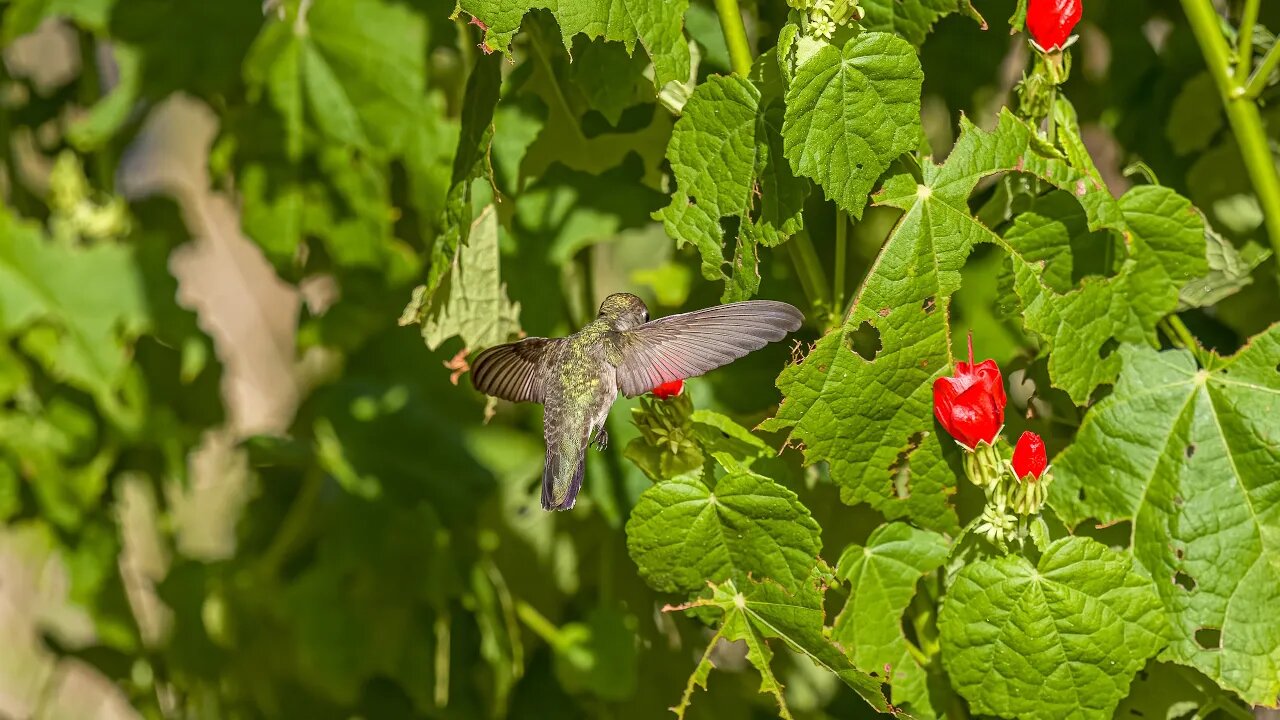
668, 390
1050, 22
970, 405
1029, 457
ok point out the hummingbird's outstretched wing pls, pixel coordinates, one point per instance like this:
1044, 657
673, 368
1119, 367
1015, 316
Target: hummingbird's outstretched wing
690, 344
514, 371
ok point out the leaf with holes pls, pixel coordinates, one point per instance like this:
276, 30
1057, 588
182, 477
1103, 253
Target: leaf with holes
725, 151
871, 418
1191, 458
1162, 248
688, 531
658, 26
882, 577
851, 112
1060, 638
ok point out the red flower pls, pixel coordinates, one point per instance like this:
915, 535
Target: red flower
970, 405
1050, 22
668, 390
1029, 457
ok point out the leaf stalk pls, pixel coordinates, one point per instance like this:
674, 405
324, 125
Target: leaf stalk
1244, 39
842, 259
1258, 82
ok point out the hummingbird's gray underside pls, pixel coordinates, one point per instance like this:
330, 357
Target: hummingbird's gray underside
577, 378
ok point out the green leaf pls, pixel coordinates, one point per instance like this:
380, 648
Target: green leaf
912, 19
1061, 638
1230, 271
686, 532
712, 154
566, 210
610, 78
24, 16
565, 140
658, 26
882, 577
755, 612
358, 65
871, 419
725, 150
1191, 458
469, 163
1164, 246
477, 308
86, 305
850, 113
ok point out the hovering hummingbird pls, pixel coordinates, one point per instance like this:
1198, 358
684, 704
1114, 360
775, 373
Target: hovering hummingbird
577, 378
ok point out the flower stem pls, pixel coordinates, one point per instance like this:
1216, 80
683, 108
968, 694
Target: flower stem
1258, 82
1242, 112
842, 259
735, 36
812, 278
1244, 40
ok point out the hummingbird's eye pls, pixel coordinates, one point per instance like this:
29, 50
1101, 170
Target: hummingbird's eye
646, 316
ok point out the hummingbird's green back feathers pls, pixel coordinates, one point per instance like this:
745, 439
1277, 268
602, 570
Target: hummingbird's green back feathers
578, 378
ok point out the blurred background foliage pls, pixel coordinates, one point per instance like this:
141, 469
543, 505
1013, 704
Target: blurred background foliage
231, 486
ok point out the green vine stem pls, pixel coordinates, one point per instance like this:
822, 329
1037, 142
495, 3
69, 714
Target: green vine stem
842, 259
1242, 112
812, 278
1258, 82
735, 36
1244, 39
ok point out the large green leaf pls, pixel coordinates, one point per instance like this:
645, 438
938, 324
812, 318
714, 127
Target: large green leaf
882, 578
356, 67
851, 112
912, 19
712, 153
477, 308
1191, 458
1061, 638
688, 531
726, 151
1163, 249
658, 26
79, 307
755, 612
469, 163
871, 419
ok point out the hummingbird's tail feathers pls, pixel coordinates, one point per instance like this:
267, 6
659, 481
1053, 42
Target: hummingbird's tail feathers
559, 489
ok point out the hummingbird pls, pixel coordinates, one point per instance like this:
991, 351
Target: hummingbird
578, 378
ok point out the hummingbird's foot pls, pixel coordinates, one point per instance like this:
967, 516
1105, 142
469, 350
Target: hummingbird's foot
602, 439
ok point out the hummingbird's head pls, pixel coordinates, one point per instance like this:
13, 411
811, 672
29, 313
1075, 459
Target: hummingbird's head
624, 311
